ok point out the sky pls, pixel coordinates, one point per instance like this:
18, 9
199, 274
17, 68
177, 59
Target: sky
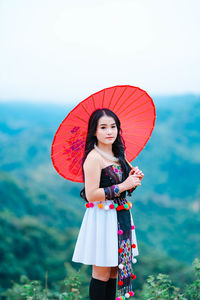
64, 51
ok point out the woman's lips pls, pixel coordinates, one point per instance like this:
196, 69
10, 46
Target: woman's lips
111, 137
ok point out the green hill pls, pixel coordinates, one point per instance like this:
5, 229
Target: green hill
41, 212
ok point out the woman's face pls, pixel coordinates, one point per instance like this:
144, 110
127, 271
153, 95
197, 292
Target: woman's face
106, 127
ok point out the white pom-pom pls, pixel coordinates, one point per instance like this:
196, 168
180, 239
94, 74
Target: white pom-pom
134, 260
106, 207
121, 266
127, 295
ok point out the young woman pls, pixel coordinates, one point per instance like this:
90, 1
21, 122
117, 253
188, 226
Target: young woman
107, 232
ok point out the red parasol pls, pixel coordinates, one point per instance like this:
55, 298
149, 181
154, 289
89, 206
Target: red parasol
135, 110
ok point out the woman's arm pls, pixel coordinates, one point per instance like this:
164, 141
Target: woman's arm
92, 172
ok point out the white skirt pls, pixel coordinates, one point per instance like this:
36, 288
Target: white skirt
97, 242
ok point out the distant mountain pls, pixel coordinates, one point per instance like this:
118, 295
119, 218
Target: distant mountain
169, 160
165, 208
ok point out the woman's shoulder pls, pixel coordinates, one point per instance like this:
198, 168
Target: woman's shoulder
93, 159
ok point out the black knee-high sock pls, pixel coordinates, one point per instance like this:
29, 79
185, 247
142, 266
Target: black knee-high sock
111, 289
97, 289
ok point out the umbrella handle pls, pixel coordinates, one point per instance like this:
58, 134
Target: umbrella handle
128, 162
131, 190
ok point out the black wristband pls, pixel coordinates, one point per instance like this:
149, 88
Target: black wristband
111, 192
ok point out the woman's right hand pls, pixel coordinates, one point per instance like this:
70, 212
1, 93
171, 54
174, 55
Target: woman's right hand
131, 182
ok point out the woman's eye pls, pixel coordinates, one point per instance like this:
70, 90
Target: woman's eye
104, 127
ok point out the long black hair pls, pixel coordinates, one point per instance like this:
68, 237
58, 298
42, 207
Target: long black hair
118, 147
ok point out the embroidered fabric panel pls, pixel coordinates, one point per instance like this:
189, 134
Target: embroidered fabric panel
125, 270
126, 257
118, 171
115, 173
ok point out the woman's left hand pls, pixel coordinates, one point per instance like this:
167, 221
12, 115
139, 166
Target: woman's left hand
136, 171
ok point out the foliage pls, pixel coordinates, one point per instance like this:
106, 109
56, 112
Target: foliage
192, 291
158, 287
33, 290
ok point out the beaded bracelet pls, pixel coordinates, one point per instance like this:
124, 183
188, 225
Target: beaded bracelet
111, 192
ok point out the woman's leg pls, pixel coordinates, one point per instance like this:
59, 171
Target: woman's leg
100, 277
111, 284
101, 273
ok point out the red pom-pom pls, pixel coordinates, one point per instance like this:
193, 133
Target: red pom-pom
133, 276
112, 206
120, 207
120, 250
133, 245
132, 227
91, 204
87, 205
120, 282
